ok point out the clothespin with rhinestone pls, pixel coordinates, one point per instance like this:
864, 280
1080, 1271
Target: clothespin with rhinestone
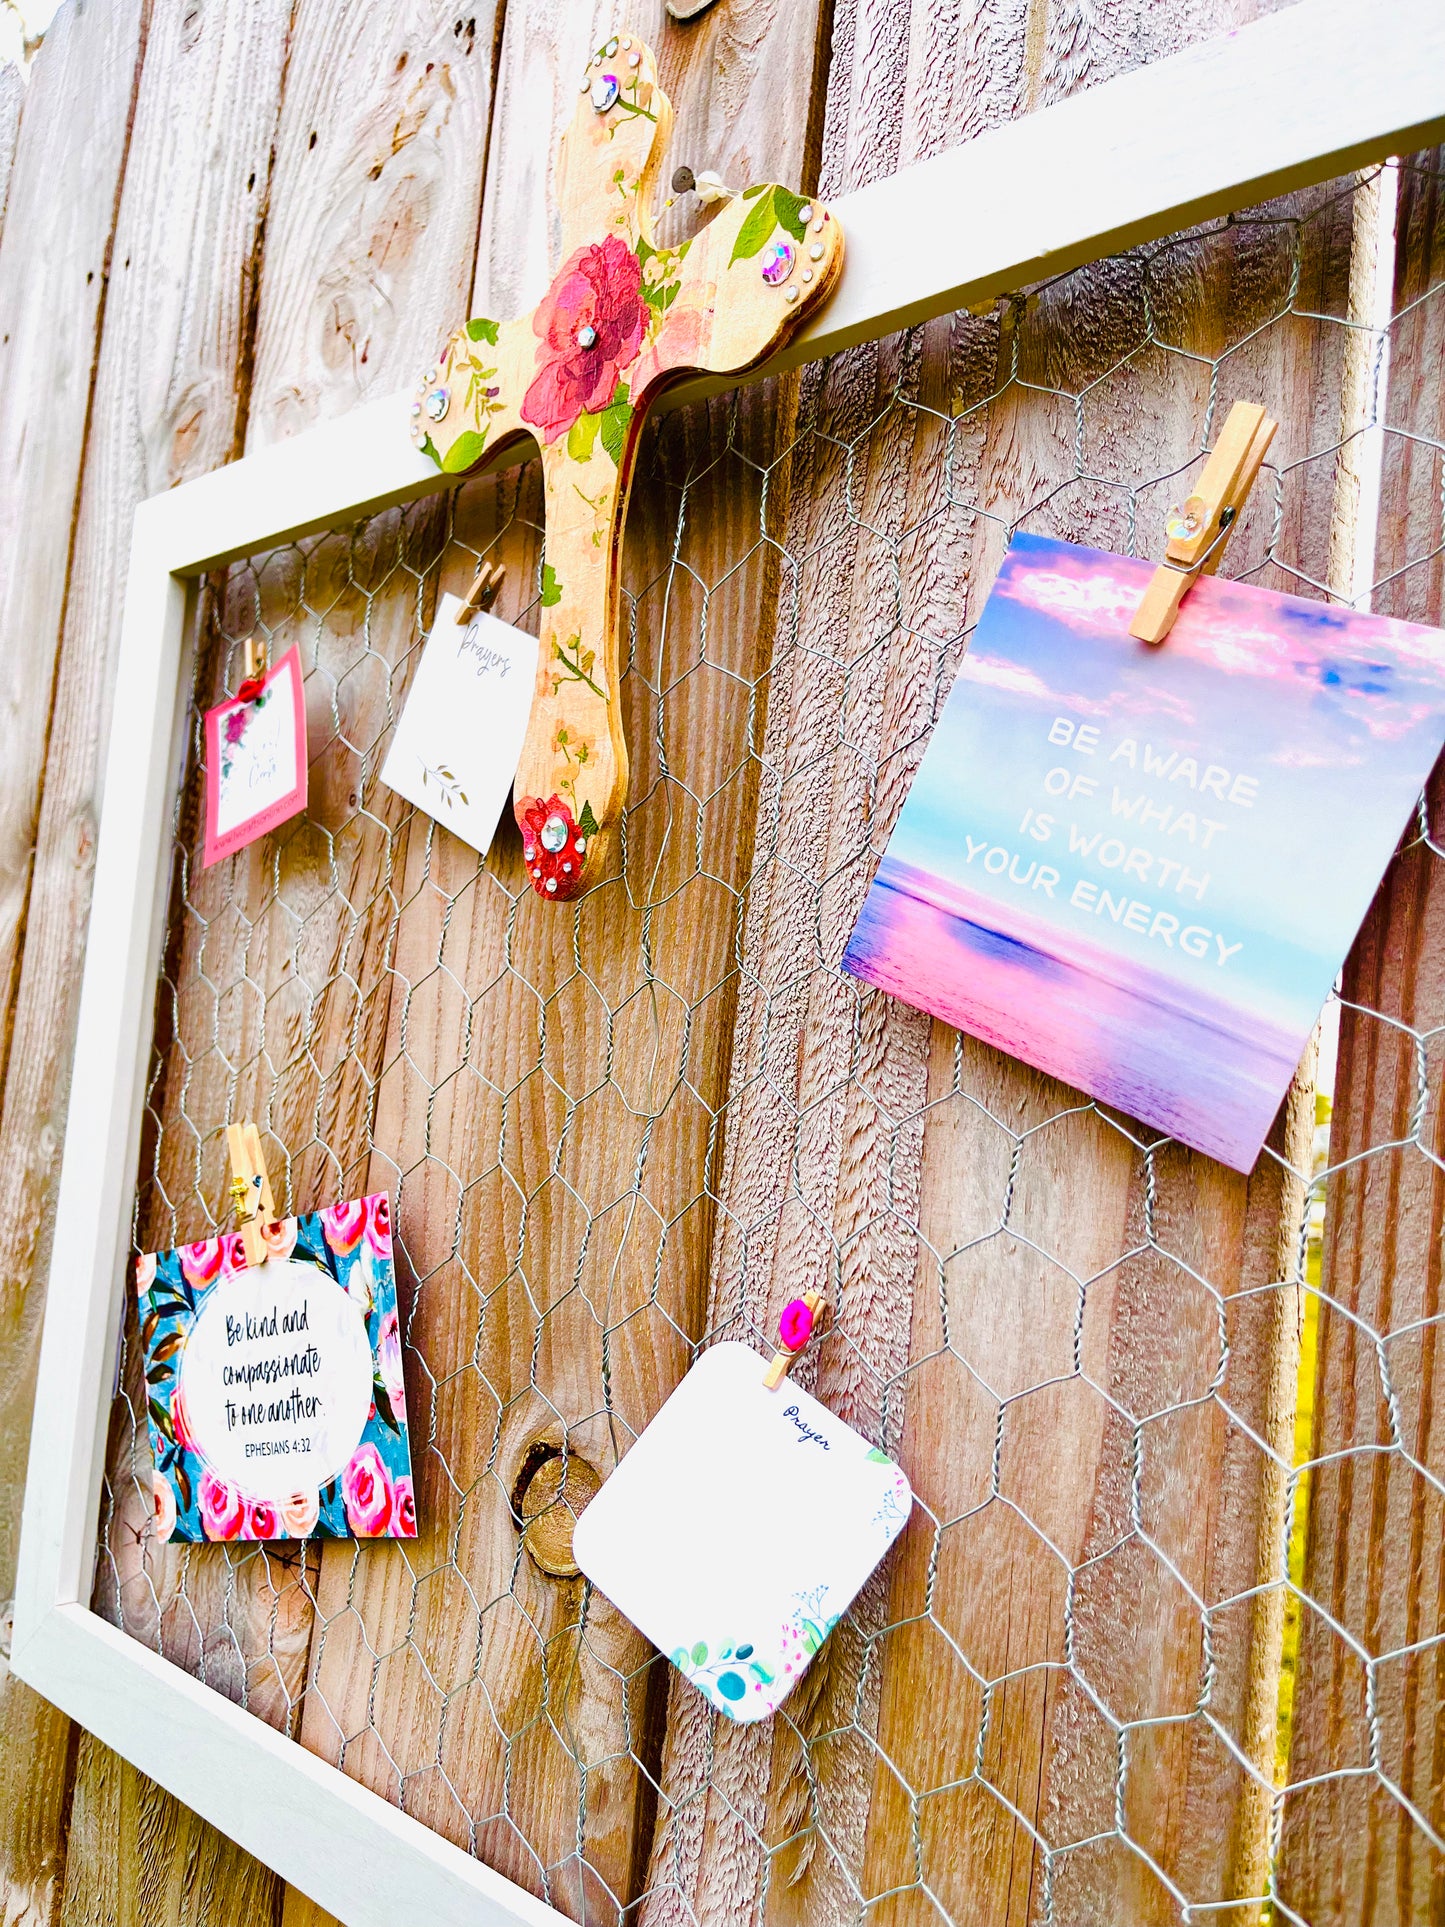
250, 1188
1199, 529
800, 1319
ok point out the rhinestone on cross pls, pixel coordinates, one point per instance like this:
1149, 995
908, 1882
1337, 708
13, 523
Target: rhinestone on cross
621, 320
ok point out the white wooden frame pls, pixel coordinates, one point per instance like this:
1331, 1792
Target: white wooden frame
1302, 96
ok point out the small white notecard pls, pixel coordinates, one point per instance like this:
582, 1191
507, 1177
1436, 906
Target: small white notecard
739, 1528
456, 747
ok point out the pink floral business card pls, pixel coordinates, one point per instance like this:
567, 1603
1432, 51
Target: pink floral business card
255, 761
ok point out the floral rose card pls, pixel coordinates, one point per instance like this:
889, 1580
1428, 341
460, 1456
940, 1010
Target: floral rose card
1140, 868
739, 1528
274, 1393
255, 761
455, 750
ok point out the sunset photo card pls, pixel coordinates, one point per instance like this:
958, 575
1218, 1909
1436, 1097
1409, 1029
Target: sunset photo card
1140, 868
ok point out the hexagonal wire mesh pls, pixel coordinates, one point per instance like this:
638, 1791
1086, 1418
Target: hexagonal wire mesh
548, 1095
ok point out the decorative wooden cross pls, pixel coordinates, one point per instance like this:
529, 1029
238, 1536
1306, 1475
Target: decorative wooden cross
621, 320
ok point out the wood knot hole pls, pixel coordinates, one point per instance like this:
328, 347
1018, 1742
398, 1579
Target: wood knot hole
551, 1493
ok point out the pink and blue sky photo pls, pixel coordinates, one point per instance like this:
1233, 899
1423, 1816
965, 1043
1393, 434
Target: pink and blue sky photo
1140, 868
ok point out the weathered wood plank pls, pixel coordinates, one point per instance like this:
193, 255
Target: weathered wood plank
168, 395
60, 202
372, 237
888, 1124
1375, 1545
12, 98
370, 240
495, 1685
149, 1861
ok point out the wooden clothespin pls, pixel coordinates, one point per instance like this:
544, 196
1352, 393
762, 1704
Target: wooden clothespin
797, 1325
251, 1189
1199, 530
483, 592
257, 661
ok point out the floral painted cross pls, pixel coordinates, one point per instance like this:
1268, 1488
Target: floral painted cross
621, 320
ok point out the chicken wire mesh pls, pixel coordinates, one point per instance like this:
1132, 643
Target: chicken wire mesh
1080, 1692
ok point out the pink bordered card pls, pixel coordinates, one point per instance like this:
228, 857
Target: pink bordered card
255, 761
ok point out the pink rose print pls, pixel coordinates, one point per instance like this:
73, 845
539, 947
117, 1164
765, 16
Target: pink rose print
299, 1515
201, 1262
591, 322
233, 1252
678, 345
223, 1510
263, 1521
388, 1360
163, 1503
145, 1271
180, 1419
279, 1238
378, 1224
367, 1491
344, 1224
403, 1511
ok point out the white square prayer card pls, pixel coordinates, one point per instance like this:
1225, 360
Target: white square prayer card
739, 1528
456, 747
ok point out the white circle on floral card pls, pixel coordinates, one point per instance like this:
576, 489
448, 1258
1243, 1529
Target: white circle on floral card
276, 1379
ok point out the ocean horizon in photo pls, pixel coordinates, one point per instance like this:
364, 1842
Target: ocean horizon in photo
1140, 869
1197, 1069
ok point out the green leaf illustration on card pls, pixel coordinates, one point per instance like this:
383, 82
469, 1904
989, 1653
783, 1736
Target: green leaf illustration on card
551, 587
479, 329
587, 822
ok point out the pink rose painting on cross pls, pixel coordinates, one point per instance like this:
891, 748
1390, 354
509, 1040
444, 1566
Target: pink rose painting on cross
621, 320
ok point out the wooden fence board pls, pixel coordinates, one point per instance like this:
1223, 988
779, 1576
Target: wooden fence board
368, 245
372, 238
12, 98
169, 401
829, 1201
380, 142
1375, 1546
60, 214
138, 1858
525, 1686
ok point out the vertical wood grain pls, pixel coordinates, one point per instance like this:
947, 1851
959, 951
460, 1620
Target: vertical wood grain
12, 97
1369, 1704
372, 237
372, 181
478, 1696
825, 1189
60, 209
168, 402
148, 1861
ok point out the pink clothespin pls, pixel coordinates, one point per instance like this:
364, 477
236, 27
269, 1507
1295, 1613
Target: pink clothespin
796, 1327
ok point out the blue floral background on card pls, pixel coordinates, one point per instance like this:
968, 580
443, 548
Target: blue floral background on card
372, 1497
